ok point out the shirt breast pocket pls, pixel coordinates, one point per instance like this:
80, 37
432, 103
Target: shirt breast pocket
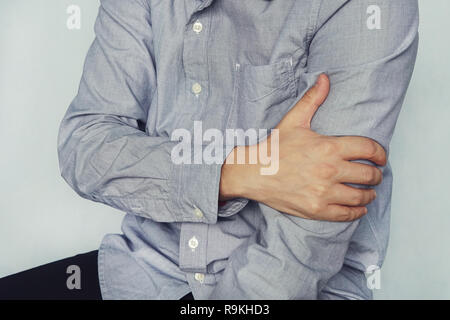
265, 94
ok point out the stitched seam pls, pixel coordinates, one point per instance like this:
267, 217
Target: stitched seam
286, 84
237, 76
377, 241
313, 21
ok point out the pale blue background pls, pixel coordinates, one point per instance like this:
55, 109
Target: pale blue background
42, 219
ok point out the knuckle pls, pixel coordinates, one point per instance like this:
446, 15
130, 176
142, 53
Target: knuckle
377, 176
319, 190
382, 155
380, 176
357, 198
327, 147
355, 213
345, 215
326, 171
350, 215
370, 148
370, 175
315, 207
309, 96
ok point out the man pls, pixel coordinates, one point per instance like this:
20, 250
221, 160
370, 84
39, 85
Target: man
225, 231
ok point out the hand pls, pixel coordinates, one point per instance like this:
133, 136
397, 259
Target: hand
312, 168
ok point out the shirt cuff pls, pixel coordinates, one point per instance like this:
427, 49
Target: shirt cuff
232, 207
194, 192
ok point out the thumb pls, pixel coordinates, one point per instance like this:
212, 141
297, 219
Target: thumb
302, 113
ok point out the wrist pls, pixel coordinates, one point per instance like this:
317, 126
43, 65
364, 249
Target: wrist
238, 178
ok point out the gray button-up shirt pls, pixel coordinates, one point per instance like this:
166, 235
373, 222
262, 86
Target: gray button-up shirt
160, 65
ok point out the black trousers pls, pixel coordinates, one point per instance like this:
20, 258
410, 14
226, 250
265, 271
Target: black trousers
74, 278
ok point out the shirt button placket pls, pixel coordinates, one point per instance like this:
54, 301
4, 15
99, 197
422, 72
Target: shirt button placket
195, 59
193, 236
196, 87
193, 243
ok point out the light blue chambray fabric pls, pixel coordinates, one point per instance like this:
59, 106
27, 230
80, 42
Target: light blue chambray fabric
253, 60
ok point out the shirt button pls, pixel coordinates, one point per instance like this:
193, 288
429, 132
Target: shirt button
198, 212
200, 277
193, 243
197, 27
196, 88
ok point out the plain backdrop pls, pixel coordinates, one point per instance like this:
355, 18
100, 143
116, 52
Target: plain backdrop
42, 219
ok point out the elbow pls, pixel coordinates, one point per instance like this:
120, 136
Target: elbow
73, 162
78, 175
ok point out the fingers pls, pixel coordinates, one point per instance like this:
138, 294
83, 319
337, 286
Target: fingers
302, 113
333, 212
349, 196
340, 213
312, 99
353, 172
358, 148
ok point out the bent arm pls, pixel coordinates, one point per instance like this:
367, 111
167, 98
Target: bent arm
105, 153
369, 71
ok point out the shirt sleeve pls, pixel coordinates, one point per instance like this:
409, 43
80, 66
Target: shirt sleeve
368, 50
105, 153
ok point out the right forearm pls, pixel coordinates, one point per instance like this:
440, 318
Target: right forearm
107, 160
